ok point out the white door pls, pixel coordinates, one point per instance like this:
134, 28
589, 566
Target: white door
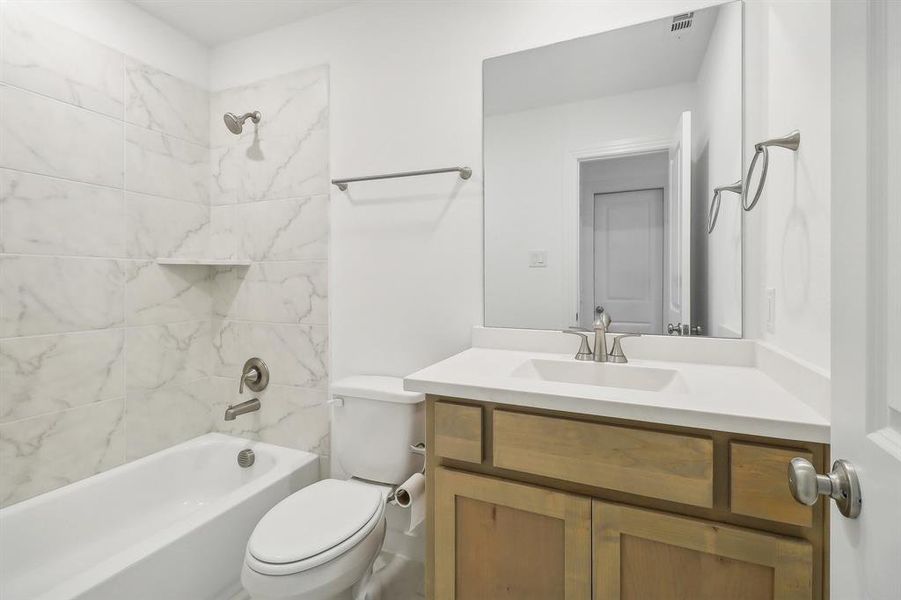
866, 294
678, 225
628, 259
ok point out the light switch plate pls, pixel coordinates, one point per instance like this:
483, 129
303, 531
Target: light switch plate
538, 259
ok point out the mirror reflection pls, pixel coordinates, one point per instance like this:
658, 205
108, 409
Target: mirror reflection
602, 155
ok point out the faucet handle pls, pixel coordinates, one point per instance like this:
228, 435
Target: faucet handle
616, 353
584, 352
255, 374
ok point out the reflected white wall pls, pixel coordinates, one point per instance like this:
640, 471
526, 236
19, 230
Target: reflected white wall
525, 164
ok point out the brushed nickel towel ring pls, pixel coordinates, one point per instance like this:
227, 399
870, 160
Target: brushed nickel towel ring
790, 141
714, 212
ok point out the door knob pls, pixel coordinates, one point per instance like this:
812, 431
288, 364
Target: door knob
841, 485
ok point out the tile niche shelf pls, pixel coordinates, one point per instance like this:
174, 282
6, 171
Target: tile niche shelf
206, 262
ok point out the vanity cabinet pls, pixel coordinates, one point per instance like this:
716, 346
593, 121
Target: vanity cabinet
537, 504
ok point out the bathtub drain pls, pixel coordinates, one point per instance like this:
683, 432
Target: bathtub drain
245, 458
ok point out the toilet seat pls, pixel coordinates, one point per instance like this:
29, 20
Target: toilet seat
313, 526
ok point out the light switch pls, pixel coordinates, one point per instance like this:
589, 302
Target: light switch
537, 259
771, 310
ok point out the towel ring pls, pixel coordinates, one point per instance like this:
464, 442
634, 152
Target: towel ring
714, 212
790, 141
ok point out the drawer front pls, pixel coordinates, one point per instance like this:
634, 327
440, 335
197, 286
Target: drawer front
661, 465
759, 484
458, 431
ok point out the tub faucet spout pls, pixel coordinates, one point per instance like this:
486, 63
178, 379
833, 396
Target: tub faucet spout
234, 410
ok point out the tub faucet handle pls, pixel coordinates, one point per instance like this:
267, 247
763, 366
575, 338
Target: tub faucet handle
255, 374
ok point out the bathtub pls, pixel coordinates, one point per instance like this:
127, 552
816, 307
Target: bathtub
170, 526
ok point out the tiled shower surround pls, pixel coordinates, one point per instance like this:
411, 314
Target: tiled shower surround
107, 164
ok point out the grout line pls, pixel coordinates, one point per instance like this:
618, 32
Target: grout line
280, 323
125, 294
73, 257
123, 328
78, 257
123, 188
66, 410
287, 386
93, 111
123, 120
66, 179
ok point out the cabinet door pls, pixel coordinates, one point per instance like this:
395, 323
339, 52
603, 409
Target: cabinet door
500, 540
641, 554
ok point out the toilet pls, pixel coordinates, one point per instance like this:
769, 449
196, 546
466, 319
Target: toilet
320, 542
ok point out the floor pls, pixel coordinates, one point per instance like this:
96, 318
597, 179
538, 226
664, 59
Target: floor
405, 578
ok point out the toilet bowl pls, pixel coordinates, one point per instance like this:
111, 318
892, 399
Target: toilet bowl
320, 543
317, 544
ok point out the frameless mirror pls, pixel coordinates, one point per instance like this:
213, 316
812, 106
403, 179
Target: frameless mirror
601, 159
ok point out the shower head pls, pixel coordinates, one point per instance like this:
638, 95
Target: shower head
235, 123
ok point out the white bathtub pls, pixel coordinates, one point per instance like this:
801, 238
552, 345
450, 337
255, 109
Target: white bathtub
170, 526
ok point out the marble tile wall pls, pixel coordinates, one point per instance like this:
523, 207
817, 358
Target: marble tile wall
105, 356
269, 196
106, 164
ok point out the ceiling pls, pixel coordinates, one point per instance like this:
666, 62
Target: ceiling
614, 62
214, 22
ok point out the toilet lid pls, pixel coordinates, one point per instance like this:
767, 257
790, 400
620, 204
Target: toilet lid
313, 520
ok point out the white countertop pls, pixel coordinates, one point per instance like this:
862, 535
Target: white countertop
738, 398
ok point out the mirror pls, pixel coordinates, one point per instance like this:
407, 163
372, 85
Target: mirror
601, 157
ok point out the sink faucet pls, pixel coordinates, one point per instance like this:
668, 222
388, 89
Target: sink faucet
601, 323
235, 410
600, 354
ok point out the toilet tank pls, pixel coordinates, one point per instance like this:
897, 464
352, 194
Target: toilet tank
374, 422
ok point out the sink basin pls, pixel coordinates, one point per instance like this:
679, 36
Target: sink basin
648, 379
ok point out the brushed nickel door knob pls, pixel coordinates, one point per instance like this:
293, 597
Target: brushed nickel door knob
841, 485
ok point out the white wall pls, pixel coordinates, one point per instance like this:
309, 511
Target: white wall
125, 27
406, 255
525, 159
787, 236
716, 158
407, 77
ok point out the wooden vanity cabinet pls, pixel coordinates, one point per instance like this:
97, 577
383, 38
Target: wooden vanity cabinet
535, 504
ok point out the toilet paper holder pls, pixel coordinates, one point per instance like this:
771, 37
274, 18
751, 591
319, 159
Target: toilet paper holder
418, 449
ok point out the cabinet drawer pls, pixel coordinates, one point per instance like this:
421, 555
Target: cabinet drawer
759, 484
458, 431
661, 465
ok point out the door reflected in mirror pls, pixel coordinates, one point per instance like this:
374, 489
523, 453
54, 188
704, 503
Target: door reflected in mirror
601, 157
